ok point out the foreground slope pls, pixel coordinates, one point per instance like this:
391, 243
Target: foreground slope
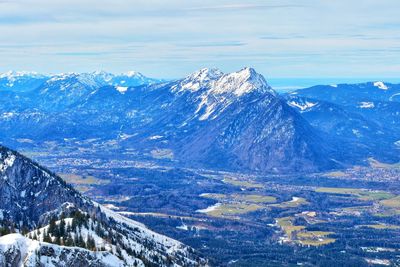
37, 201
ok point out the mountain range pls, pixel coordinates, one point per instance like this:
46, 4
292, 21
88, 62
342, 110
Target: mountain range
366, 115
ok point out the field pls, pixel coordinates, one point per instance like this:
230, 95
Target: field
362, 194
381, 226
233, 209
377, 164
299, 234
242, 183
83, 183
392, 202
252, 198
295, 202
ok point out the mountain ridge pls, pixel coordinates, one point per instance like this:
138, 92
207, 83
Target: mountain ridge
33, 198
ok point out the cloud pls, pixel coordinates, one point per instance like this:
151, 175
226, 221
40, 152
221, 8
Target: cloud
241, 6
175, 37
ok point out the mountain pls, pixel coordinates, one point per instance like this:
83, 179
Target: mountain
365, 114
57, 225
132, 78
21, 81
237, 121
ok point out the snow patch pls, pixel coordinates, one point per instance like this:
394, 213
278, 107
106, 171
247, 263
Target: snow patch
367, 105
302, 107
209, 209
155, 137
381, 85
122, 89
397, 143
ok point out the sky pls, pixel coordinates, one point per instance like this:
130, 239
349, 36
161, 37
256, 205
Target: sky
170, 39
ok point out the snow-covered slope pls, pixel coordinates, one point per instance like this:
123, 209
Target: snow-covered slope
33, 198
18, 250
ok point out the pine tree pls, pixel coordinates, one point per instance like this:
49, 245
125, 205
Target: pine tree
52, 226
47, 238
62, 228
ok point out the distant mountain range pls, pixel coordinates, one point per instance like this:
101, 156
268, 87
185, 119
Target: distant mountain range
233, 121
367, 115
27, 81
51, 224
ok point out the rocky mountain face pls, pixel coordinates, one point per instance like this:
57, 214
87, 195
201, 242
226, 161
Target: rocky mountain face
29, 191
53, 221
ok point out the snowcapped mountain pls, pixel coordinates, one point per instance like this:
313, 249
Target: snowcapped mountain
21, 81
237, 121
62, 226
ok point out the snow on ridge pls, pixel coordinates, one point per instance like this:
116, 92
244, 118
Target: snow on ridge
133, 73
302, 107
367, 105
198, 79
241, 82
381, 85
14, 74
218, 90
7, 162
172, 244
121, 89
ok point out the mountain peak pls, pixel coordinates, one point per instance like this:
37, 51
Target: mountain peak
206, 74
133, 73
198, 79
241, 82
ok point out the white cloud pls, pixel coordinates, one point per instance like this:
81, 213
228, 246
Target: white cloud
172, 38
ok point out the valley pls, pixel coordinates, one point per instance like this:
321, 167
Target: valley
354, 210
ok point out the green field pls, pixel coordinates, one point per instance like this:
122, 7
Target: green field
295, 202
249, 198
382, 226
233, 209
335, 174
83, 183
242, 183
299, 234
362, 194
391, 203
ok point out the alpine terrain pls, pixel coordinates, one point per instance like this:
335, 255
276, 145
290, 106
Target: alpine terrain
45, 222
